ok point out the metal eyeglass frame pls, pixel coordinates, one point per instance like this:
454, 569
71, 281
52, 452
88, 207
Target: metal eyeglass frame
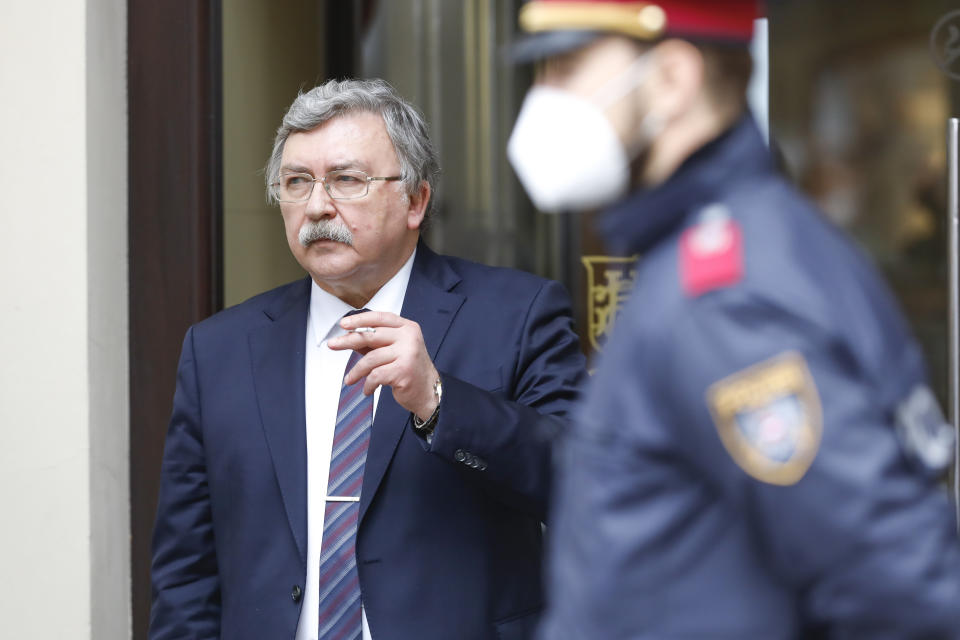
326, 187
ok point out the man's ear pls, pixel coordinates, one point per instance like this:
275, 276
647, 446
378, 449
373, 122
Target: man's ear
417, 206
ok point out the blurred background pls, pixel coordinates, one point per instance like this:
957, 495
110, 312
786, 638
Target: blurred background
161, 115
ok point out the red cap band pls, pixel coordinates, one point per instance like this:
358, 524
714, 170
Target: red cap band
727, 20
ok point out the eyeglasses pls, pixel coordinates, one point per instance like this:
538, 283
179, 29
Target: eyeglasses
343, 184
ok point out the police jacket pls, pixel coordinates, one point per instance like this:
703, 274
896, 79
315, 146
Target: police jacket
759, 455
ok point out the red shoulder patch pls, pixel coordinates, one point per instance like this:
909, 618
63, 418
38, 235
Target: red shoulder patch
711, 255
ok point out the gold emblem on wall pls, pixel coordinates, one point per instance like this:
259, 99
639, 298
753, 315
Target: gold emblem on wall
609, 283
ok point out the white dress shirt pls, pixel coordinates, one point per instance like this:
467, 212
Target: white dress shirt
323, 378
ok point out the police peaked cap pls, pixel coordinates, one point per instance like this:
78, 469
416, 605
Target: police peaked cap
553, 27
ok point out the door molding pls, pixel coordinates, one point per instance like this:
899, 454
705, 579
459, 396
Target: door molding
175, 237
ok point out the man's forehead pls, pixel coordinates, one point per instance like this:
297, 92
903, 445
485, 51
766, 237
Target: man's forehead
587, 67
352, 125
601, 49
348, 141
297, 164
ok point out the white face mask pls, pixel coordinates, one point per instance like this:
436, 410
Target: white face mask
565, 151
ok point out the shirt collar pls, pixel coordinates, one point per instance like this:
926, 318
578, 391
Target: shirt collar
326, 309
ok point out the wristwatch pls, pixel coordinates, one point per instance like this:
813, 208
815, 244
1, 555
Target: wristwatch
425, 427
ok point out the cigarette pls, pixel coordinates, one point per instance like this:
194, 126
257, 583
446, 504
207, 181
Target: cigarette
362, 330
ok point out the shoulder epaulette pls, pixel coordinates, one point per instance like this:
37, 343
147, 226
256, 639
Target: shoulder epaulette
711, 253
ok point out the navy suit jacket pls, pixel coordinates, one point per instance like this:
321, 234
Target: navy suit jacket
449, 536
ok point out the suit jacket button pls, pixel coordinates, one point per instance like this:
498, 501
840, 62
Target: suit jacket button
459, 455
296, 593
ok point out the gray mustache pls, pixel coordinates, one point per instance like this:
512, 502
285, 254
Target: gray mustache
310, 232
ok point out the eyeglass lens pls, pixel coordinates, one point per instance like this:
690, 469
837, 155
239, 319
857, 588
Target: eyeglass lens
342, 184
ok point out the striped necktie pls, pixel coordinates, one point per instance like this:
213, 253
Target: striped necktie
340, 614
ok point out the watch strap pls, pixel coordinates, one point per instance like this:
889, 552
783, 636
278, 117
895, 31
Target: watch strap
426, 427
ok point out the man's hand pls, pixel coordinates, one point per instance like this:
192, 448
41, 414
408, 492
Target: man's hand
393, 355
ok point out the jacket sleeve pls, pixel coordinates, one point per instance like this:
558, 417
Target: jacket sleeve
185, 582
842, 514
504, 439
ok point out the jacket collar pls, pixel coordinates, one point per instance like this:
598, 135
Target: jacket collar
431, 302
639, 221
278, 359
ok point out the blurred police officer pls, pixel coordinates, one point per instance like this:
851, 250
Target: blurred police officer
759, 455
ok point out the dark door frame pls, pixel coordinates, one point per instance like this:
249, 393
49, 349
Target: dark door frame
174, 236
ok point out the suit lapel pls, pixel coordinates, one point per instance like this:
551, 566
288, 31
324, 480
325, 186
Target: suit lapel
278, 359
430, 303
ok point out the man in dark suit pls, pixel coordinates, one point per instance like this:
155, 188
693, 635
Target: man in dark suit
286, 510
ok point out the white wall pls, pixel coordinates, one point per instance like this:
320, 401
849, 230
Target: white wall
63, 321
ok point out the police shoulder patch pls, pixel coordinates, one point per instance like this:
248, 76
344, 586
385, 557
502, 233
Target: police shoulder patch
925, 435
711, 252
769, 418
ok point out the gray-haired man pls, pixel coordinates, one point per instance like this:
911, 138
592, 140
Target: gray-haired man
309, 494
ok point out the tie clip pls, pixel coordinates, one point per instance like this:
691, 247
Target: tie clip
343, 498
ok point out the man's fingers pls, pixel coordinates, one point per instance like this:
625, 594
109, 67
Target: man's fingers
362, 341
372, 319
366, 365
380, 375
